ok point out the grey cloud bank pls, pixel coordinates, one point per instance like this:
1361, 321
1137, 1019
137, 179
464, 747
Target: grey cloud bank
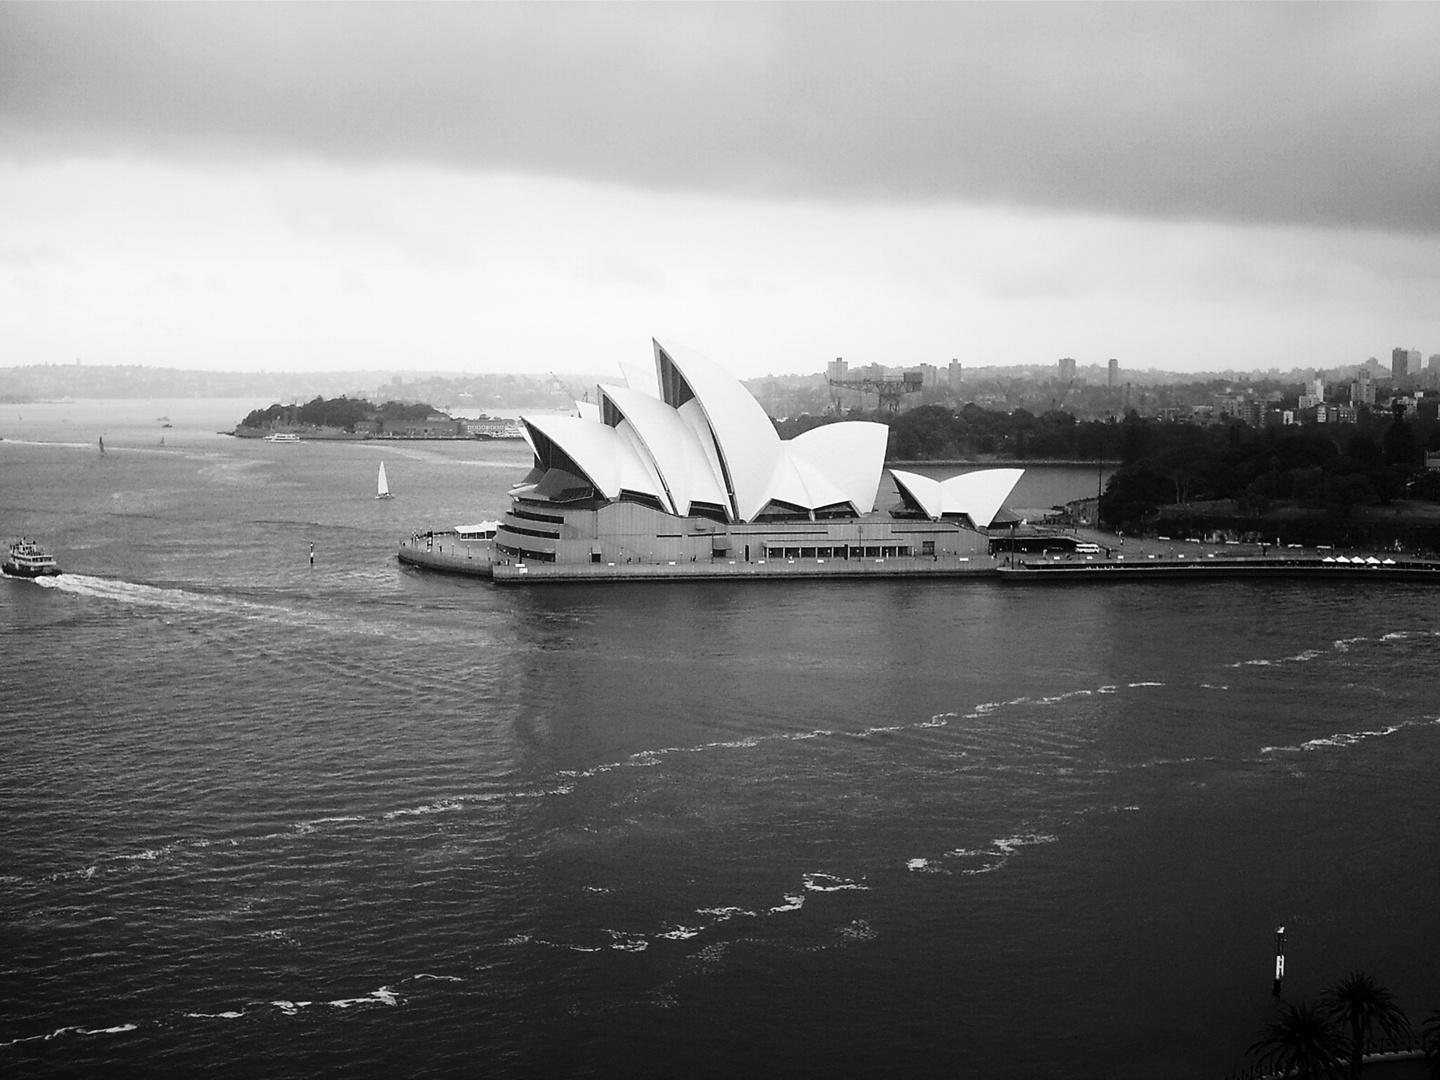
1325, 115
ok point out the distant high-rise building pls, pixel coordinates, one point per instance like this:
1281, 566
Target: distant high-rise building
1067, 369
1399, 363
929, 375
836, 368
955, 375
1114, 374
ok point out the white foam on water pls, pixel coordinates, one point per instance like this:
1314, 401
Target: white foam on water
187, 602
858, 930
724, 914
1144, 683
917, 864
830, 883
681, 933
230, 1014
444, 806
73, 1029
440, 978
384, 996
1348, 738
792, 903
1213, 686
627, 942
1010, 844
1055, 699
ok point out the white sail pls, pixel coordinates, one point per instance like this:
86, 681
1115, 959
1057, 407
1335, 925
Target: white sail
382, 485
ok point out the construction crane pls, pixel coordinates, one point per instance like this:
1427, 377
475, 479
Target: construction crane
569, 393
888, 389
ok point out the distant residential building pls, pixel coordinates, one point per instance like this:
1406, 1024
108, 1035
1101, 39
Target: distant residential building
1335, 414
955, 375
1067, 369
836, 368
1315, 395
929, 375
1362, 390
1113, 376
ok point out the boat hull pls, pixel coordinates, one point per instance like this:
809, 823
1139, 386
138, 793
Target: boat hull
17, 570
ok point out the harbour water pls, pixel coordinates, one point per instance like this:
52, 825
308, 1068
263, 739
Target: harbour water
260, 817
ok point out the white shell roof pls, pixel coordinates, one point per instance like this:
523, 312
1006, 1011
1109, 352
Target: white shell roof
748, 444
979, 494
609, 461
852, 452
681, 451
673, 447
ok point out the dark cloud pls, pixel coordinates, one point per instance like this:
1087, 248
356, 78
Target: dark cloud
1307, 113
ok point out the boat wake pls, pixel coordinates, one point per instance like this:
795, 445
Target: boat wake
386, 995
184, 601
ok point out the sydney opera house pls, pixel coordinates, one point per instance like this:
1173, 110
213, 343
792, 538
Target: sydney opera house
681, 473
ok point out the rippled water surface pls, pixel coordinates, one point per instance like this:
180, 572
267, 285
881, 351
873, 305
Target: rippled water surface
263, 818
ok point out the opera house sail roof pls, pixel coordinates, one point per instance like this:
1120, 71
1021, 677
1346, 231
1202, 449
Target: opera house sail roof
692, 440
681, 462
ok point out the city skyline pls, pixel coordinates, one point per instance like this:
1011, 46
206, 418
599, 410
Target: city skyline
1189, 188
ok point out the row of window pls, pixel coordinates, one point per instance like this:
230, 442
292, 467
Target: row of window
853, 551
521, 555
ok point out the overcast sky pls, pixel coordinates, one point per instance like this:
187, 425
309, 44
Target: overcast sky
531, 187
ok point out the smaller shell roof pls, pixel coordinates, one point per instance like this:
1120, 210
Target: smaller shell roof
607, 459
979, 495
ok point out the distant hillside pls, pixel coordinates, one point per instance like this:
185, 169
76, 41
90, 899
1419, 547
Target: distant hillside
448, 390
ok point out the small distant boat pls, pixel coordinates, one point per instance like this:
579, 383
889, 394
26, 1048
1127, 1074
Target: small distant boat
102, 444
28, 559
382, 486
283, 436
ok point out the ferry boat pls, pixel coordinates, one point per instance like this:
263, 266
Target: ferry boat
283, 436
28, 559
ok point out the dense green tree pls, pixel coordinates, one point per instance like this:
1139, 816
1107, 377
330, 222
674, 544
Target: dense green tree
1301, 1040
1399, 443
1359, 1003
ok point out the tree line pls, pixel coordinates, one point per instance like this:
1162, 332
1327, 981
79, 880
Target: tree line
1327, 470
342, 412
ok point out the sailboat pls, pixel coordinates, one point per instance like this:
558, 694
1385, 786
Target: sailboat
382, 486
